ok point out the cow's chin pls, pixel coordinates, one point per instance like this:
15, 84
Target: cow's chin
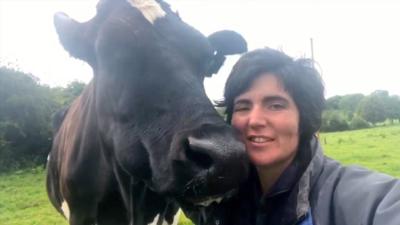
206, 201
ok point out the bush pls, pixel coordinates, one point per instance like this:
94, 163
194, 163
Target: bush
358, 123
333, 120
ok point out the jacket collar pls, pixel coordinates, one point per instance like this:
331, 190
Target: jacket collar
288, 200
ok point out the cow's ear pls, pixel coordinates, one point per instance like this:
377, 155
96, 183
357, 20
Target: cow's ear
224, 42
227, 42
74, 37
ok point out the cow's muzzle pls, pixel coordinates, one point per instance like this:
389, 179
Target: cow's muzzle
214, 162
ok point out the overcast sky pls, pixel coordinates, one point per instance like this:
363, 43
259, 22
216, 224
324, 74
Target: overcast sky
356, 44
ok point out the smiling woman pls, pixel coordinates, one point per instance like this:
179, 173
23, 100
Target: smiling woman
268, 119
276, 102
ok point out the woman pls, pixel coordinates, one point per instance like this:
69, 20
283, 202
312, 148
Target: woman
276, 103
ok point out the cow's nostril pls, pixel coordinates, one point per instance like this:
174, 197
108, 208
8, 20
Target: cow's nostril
198, 155
199, 158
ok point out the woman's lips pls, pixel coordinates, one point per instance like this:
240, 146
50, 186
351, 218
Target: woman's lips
259, 139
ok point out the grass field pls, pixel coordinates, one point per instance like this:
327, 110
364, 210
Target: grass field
23, 200
376, 148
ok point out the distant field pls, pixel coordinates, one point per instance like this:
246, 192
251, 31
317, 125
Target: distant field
23, 200
376, 148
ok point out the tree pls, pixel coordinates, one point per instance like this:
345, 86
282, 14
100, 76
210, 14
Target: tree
358, 111
25, 114
26, 110
372, 109
393, 107
332, 103
64, 96
350, 102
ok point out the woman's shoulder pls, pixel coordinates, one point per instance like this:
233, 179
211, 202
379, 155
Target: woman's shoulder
353, 175
325, 171
354, 195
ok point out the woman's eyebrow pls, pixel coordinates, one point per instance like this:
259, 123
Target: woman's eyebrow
242, 101
273, 98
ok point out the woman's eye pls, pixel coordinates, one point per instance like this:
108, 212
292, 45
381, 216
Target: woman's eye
240, 108
276, 106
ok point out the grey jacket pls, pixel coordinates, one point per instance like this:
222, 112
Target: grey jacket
341, 195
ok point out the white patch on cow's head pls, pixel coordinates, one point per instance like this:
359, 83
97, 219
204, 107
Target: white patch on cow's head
150, 9
175, 222
65, 209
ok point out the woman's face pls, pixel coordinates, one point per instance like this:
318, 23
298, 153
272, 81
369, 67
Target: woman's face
268, 120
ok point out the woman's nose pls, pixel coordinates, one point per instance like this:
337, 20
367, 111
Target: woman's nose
257, 118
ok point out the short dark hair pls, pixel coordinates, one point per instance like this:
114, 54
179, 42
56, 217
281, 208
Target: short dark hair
298, 77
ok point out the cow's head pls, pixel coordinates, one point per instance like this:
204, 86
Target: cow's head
151, 107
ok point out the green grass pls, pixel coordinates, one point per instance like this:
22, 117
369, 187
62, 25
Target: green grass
375, 148
23, 198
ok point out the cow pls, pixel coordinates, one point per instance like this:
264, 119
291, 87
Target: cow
143, 138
